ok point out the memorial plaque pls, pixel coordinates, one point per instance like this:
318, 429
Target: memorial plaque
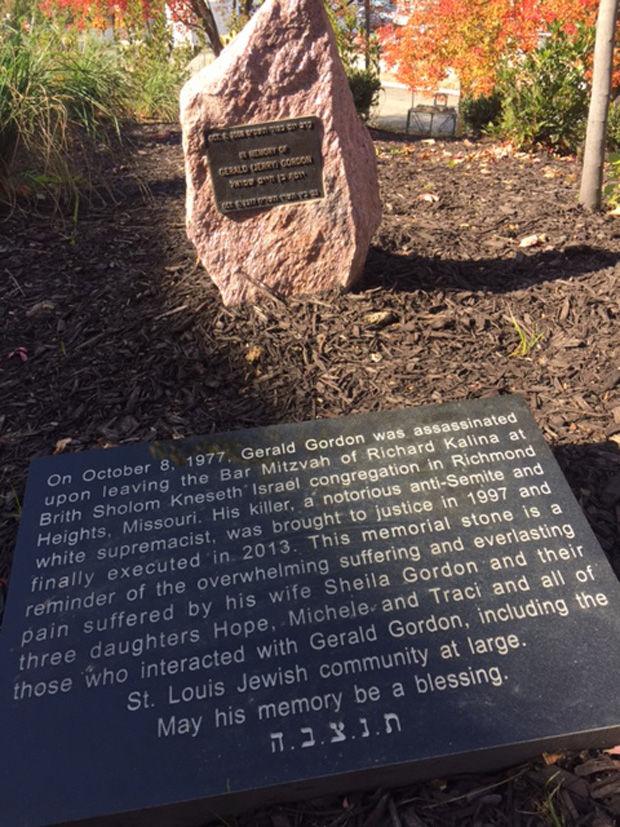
262, 165
202, 626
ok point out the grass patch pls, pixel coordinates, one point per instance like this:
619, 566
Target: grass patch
528, 339
60, 98
156, 75
64, 96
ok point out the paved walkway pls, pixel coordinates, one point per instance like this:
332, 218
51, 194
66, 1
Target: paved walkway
392, 107
394, 102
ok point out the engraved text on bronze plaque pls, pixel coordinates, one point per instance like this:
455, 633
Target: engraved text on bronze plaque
266, 164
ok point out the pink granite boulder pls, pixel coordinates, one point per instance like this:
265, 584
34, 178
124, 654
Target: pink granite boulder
283, 65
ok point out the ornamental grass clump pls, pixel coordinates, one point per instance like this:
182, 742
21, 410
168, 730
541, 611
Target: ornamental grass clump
62, 96
156, 74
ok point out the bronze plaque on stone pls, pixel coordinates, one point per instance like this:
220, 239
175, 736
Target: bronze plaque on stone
263, 165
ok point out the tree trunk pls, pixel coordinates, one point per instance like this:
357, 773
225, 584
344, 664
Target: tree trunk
594, 153
367, 34
204, 15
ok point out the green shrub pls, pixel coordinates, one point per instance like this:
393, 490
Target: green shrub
365, 86
477, 114
611, 188
613, 127
545, 94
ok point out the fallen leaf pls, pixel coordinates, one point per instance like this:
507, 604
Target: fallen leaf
428, 196
253, 354
380, 318
62, 444
22, 352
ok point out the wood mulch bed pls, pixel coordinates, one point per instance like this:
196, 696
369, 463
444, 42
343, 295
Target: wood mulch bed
484, 278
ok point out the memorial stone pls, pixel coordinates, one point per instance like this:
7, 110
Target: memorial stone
282, 188
198, 627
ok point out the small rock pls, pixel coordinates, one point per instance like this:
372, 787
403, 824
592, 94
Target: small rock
40, 309
532, 240
430, 197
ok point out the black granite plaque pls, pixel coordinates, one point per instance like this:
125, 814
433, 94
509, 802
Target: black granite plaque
261, 165
206, 625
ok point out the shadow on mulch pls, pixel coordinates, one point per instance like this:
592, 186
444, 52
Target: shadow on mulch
593, 473
168, 187
495, 275
112, 354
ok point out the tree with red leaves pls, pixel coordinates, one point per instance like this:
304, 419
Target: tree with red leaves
134, 14
473, 37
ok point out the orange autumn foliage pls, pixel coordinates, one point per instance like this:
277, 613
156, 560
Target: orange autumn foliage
472, 37
100, 14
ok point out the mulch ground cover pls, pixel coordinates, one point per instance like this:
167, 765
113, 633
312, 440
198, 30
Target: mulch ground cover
484, 278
